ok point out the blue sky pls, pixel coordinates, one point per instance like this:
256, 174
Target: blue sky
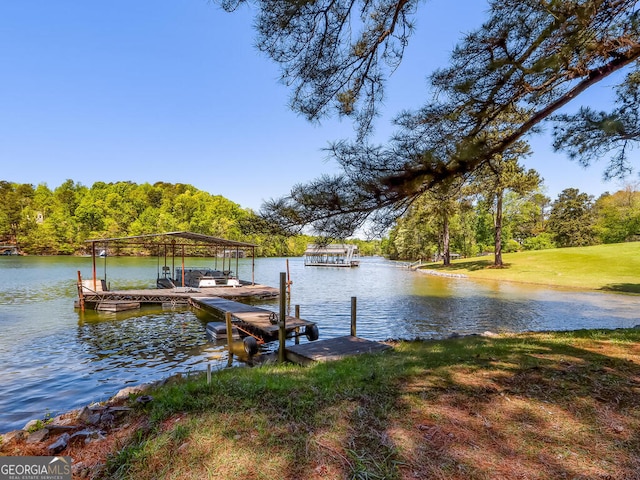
175, 91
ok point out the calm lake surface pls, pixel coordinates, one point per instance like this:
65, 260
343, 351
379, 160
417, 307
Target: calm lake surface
54, 358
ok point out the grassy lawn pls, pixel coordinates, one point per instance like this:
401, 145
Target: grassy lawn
614, 267
535, 406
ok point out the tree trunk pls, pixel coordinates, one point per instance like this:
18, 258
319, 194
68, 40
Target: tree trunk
445, 241
498, 231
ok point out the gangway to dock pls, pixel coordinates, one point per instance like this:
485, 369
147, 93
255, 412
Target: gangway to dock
259, 323
255, 321
332, 349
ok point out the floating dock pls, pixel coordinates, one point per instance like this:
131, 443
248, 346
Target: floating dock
175, 296
258, 325
332, 255
174, 247
111, 306
255, 321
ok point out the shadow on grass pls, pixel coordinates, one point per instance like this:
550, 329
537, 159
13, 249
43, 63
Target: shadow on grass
622, 287
562, 405
535, 406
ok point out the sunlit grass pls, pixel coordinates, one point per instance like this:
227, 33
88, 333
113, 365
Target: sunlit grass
538, 406
613, 267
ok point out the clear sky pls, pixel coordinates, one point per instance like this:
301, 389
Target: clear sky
175, 91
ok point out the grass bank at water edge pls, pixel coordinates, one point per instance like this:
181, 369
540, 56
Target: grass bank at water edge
612, 267
535, 406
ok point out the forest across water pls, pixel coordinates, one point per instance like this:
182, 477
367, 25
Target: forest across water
58, 221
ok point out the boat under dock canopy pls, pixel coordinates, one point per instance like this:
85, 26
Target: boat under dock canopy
172, 248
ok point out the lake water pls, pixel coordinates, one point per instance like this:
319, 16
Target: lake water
54, 358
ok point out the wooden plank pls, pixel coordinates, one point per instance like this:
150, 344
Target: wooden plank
247, 315
332, 349
117, 306
161, 295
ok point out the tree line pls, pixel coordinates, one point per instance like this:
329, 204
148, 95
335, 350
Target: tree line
464, 219
44, 221
476, 224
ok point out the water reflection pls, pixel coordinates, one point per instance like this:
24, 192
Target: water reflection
143, 344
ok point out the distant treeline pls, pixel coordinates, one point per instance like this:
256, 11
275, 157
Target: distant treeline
528, 222
59, 221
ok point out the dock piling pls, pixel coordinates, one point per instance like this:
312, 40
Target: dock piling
227, 318
80, 292
353, 316
297, 330
282, 331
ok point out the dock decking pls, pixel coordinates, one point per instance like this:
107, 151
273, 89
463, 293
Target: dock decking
249, 318
176, 296
332, 349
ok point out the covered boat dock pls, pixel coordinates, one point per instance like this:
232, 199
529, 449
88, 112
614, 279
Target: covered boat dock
171, 246
172, 276
331, 255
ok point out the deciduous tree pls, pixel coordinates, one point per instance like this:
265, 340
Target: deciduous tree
618, 215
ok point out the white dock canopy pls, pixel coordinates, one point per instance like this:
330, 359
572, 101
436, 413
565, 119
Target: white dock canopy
173, 238
332, 255
172, 244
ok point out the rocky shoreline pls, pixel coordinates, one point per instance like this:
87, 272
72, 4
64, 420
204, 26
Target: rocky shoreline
87, 434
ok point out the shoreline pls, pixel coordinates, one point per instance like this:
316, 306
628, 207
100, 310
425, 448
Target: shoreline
422, 399
127, 393
438, 273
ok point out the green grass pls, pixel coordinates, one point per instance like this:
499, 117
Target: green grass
537, 406
613, 267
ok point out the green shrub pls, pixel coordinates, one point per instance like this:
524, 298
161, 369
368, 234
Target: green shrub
543, 241
511, 246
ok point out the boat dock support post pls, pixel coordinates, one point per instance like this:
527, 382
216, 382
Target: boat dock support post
227, 317
297, 315
282, 330
80, 292
93, 261
353, 316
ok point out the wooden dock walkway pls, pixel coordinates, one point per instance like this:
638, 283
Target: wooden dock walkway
332, 349
257, 322
176, 296
254, 320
